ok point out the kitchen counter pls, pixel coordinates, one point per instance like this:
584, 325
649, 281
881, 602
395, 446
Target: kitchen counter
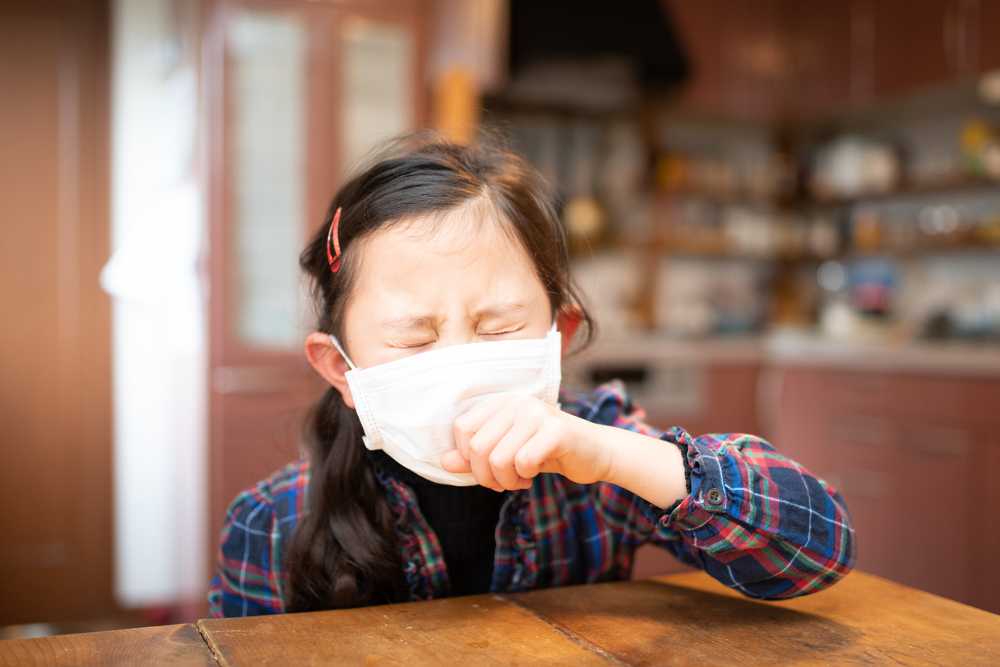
797, 348
925, 358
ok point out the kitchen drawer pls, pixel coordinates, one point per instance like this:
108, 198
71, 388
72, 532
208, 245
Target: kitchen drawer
949, 400
868, 391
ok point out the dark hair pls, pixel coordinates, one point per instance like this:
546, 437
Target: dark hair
347, 537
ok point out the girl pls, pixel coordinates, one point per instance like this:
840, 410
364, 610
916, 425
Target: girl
443, 460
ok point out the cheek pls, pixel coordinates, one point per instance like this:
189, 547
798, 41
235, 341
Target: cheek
385, 355
366, 355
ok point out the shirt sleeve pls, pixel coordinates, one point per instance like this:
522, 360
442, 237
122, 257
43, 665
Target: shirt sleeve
753, 519
758, 521
247, 581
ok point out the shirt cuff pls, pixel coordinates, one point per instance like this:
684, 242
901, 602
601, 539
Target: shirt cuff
706, 485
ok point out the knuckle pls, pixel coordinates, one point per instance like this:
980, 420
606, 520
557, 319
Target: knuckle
497, 460
460, 426
478, 446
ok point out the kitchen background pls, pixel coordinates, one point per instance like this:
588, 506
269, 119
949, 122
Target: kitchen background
785, 215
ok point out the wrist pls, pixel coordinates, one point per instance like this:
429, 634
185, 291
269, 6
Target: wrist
651, 468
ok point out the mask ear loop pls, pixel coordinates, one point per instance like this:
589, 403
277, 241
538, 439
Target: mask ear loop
336, 344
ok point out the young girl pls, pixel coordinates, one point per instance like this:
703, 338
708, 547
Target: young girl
443, 460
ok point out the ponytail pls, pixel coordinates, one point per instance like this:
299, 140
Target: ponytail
343, 552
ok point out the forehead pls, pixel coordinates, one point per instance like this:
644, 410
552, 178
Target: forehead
438, 263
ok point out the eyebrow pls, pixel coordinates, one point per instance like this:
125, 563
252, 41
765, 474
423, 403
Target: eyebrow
409, 322
422, 322
499, 310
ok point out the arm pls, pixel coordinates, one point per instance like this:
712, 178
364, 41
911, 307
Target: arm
247, 581
750, 517
772, 530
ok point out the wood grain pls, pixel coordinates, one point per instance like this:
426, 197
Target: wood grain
685, 619
692, 619
163, 645
55, 345
474, 630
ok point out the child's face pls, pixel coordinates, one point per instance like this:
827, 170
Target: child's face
424, 286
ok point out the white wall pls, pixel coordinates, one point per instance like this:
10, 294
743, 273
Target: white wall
160, 453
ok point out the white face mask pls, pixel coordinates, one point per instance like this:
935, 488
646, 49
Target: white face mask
408, 407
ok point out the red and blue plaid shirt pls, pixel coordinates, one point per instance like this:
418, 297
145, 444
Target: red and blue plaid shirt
753, 519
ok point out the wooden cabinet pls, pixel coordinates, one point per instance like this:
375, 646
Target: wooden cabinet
777, 58
737, 55
55, 346
820, 49
754, 58
698, 25
916, 461
986, 32
917, 42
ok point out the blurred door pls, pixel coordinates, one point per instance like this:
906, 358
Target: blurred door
299, 90
55, 368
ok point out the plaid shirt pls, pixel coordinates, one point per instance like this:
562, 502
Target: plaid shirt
753, 519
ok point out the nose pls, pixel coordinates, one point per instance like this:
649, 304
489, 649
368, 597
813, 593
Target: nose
457, 332
456, 338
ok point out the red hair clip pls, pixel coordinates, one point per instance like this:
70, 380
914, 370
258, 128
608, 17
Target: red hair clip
335, 236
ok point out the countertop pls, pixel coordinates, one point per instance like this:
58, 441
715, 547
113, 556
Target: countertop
797, 348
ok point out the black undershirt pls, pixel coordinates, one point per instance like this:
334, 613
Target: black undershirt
464, 518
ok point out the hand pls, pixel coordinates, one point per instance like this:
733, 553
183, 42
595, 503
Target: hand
509, 440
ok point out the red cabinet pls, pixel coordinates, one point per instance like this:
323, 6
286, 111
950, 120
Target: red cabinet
917, 42
699, 28
775, 58
916, 461
737, 55
820, 48
987, 29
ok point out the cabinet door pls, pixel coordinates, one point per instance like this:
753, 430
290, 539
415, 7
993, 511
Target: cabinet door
754, 58
698, 24
917, 42
931, 504
984, 565
801, 411
737, 50
861, 454
987, 31
821, 56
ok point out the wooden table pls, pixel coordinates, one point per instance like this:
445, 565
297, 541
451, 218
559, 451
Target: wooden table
683, 619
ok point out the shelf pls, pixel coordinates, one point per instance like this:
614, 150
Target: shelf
840, 256
965, 186
969, 186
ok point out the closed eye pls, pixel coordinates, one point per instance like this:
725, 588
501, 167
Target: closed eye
411, 346
501, 333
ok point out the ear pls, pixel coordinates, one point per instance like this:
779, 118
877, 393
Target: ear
569, 319
330, 364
